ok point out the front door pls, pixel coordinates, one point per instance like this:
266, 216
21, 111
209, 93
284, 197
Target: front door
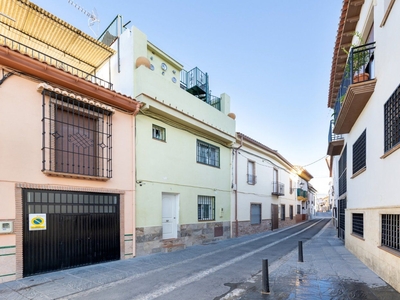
274, 216
169, 221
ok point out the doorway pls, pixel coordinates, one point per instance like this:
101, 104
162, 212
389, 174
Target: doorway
169, 216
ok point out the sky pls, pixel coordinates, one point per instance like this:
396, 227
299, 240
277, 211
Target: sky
272, 57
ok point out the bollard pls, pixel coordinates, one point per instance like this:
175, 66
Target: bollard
300, 251
265, 277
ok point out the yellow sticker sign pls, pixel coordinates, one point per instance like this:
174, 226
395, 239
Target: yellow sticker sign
37, 222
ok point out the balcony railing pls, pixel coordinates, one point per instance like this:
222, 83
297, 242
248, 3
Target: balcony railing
278, 188
302, 195
251, 179
196, 83
357, 86
335, 141
14, 45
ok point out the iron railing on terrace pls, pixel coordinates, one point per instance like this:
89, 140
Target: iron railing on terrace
360, 60
332, 136
196, 83
278, 188
14, 45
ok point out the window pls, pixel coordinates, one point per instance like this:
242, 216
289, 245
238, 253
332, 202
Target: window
255, 214
298, 209
360, 153
291, 212
159, 133
343, 172
358, 224
392, 120
205, 208
76, 136
291, 186
251, 172
391, 231
283, 212
207, 154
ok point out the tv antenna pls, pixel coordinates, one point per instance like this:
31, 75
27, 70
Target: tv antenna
93, 16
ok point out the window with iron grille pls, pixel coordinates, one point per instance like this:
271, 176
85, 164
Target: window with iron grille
159, 133
391, 231
283, 212
251, 172
77, 137
255, 214
392, 120
205, 208
360, 153
343, 172
358, 224
207, 154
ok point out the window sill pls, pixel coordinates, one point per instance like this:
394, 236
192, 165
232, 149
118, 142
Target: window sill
358, 172
74, 176
387, 153
390, 250
357, 236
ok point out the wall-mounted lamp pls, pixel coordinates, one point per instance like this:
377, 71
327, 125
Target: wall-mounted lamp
300, 185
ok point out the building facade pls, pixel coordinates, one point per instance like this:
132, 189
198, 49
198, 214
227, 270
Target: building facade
183, 146
364, 134
268, 191
67, 175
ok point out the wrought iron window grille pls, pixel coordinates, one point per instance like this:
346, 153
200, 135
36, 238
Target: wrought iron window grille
76, 137
391, 231
360, 152
205, 208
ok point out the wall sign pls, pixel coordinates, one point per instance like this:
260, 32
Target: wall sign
37, 222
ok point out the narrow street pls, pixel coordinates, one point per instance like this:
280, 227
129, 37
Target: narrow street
198, 272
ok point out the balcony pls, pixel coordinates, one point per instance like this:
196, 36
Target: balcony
302, 195
40, 56
278, 188
335, 141
251, 179
358, 84
196, 83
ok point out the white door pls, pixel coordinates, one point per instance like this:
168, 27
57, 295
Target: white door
169, 221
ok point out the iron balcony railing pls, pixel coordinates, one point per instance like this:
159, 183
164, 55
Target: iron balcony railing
196, 83
332, 136
251, 179
302, 194
14, 45
278, 188
360, 61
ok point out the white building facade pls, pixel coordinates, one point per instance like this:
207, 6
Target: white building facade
365, 134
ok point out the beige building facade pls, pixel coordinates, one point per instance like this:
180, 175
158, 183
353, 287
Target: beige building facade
268, 191
67, 177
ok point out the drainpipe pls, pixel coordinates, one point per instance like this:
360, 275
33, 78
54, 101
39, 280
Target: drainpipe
236, 188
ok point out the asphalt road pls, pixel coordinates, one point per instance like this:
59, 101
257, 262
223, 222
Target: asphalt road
203, 272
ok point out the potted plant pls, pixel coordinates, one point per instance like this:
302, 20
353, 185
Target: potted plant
358, 57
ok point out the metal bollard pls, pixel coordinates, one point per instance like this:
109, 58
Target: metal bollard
300, 251
265, 277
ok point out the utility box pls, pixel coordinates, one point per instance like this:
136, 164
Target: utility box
6, 226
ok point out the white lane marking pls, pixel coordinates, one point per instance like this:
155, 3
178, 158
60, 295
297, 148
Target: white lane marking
170, 287
140, 275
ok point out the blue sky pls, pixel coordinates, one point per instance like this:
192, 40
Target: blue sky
272, 58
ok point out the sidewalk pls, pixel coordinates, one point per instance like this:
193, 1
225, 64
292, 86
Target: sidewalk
329, 271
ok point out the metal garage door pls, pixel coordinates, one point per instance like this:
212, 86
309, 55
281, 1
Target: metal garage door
67, 229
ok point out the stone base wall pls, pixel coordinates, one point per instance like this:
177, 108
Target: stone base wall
245, 228
149, 239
